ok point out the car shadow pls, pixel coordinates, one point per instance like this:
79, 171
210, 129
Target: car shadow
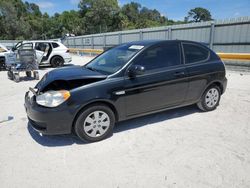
155, 118
64, 140
55, 140
24, 79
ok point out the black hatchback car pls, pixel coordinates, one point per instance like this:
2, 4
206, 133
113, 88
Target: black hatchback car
127, 81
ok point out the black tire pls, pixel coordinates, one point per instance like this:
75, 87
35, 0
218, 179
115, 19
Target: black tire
205, 105
2, 63
10, 75
57, 61
16, 77
36, 75
79, 123
28, 74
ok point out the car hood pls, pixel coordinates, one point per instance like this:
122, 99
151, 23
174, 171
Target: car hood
68, 74
4, 48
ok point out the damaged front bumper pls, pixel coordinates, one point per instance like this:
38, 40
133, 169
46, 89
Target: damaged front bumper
49, 121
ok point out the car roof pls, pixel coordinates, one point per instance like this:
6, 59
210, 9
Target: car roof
27, 41
152, 42
144, 42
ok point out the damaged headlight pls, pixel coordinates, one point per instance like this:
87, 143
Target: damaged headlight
52, 98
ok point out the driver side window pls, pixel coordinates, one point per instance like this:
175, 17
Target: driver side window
161, 56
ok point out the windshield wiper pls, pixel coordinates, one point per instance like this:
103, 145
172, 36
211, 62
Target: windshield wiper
91, 68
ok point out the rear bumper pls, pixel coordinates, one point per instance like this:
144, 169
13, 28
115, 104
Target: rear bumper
49, 121
224, 83
67, 60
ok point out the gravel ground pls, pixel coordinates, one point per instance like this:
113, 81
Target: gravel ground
177, 148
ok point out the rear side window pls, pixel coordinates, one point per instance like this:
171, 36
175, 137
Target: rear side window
194, 53
164, 55
55, 45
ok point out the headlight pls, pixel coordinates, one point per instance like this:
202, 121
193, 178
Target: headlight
52, 98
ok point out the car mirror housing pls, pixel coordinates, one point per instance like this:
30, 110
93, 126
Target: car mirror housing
136, 70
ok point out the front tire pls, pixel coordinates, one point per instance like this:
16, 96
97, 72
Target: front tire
95, 123
210, 99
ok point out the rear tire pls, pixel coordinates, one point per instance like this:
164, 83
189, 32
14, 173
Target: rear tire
10, 75
210, 99
95, 123
57, 61
16, 77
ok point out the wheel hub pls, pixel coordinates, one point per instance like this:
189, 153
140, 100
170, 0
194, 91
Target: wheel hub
96, 124
212, 97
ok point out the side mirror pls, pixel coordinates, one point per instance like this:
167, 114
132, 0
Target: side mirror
136, 70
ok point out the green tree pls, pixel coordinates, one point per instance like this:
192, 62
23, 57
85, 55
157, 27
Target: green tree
33, 9
141, 17
98, 15
33, 18
132, 12
13, 20
24, 20
198, 14
71, 22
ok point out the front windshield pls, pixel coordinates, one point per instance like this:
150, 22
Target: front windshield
112, 60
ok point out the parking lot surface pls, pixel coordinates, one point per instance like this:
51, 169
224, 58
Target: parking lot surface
176, 148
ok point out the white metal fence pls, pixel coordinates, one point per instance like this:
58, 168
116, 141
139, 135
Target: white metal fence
230, 35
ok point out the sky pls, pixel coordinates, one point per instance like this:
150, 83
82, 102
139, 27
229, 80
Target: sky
172, 9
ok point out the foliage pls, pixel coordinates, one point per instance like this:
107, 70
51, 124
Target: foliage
23, 20
99, 15
13, 20
198, 14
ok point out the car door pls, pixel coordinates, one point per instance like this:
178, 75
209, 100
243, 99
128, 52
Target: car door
198, 69
42, 49
23, 47
164, 83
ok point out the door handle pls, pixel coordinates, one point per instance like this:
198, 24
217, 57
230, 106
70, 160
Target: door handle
179, 74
